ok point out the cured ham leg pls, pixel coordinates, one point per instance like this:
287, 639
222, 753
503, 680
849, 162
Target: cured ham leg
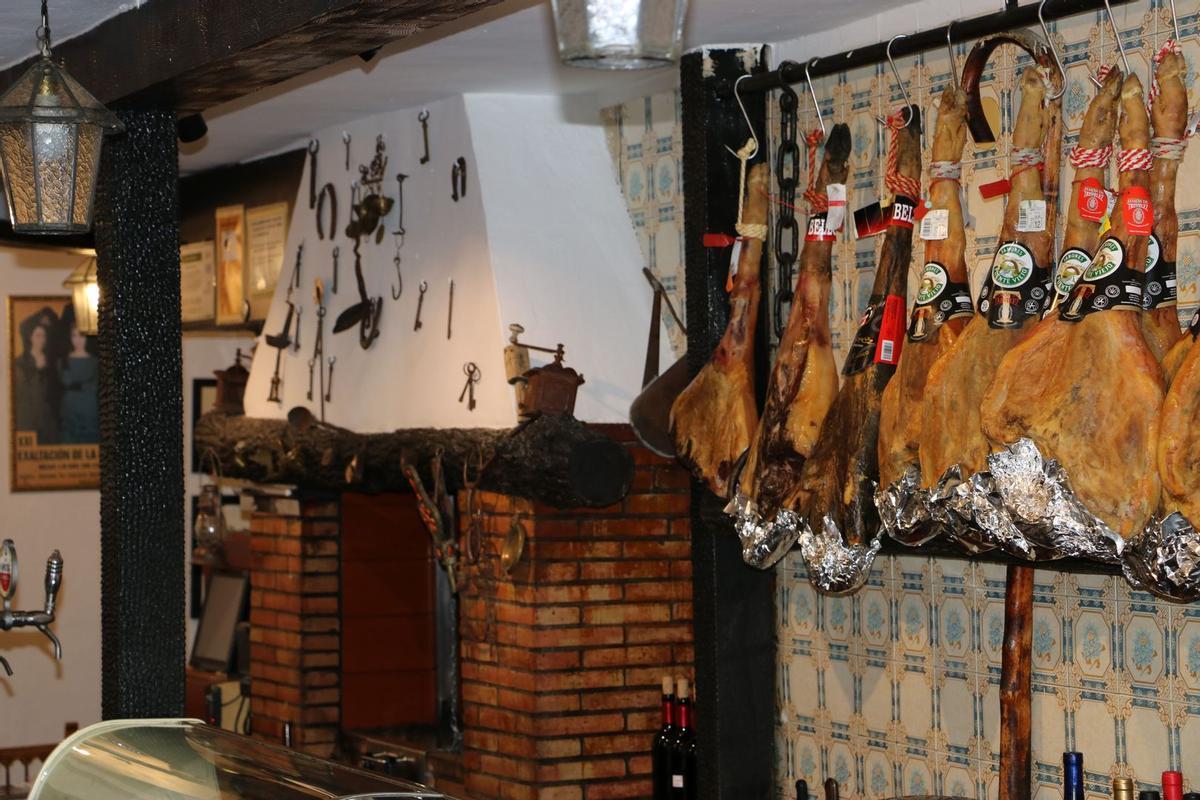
804, 379
714, 418
1085, 386
839, 477
1168, 111
950, 429
943, 298
1179, 436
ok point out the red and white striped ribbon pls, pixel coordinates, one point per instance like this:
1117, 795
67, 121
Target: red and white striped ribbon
1134, 160
1090, 156
892, 179
1167, 148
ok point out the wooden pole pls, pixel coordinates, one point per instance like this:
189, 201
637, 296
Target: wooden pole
1016, 698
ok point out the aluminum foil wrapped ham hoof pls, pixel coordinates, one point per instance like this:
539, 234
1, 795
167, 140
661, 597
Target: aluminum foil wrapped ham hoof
1164, 559
835, 567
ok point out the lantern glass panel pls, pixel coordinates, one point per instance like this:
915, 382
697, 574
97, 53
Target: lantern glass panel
619, 34
54, 160
16, 149
90, 139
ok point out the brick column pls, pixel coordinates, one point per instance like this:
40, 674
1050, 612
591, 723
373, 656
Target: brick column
295, 640
562, 660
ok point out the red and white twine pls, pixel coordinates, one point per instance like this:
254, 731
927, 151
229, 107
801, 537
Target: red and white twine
1171, 46
896, 182
1091, 156
1167, 148
818, 201
1137, 159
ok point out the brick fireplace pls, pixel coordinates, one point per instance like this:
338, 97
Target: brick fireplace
560, 659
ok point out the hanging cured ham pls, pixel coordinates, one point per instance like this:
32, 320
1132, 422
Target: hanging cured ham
943, 304
1010, 301
1179, 433
839, 477
714, 418
1085, 387
804, 379
1168, 112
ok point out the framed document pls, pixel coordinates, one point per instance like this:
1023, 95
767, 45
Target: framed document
197, 281
54, 375
266, 237
231, 259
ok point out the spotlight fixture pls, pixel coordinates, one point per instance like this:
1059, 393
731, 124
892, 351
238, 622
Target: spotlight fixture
191, 128
619, 34
51, 130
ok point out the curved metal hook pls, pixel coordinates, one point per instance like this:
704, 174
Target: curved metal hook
745, 115
900, 81
1053, 52
398, 287
813, 92
1117, 36
950, 51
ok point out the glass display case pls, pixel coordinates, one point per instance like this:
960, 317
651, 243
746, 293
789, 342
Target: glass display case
179, 759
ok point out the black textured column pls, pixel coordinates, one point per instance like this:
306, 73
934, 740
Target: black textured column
141, 421
734, 604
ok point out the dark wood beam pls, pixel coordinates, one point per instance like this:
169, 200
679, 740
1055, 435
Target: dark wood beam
191, 55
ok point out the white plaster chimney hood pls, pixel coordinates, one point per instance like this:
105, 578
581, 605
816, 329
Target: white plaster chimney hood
542, 238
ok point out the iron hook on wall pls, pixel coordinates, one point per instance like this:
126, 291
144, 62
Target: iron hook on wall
1053, 52
746, 116
903, 90
812, 90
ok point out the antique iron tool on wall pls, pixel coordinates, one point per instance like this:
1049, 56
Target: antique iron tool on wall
41, 620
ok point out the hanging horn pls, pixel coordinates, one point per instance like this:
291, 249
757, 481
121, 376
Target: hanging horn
977, 61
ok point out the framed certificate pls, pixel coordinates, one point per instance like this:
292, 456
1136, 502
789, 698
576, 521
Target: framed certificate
197, 281
266, 237
231, 260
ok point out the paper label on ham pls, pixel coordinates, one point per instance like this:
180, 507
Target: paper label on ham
1106, 284
819, 229
879, 337
902, 212
935, 225
1137, 210
1015, 288
836, 192
1160, 280
1093, 200
937, 301
1031, 216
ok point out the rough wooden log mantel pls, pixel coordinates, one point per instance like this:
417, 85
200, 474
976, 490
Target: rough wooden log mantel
555, 459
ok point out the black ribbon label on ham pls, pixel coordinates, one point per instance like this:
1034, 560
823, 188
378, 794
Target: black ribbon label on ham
818, 229
880, 335
937, 301
1106, 284
1160, 280
902, 212
1194, 325
1071, 264
1015, 289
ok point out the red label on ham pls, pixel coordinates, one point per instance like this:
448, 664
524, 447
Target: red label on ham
1092, 201
1137, 210
891, 331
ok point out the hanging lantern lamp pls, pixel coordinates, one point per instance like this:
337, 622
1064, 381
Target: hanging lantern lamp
85, 297
619, 34
50, 136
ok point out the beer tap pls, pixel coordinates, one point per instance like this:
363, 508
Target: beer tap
41, 620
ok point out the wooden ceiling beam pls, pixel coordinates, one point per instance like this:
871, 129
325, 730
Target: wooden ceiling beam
192, 55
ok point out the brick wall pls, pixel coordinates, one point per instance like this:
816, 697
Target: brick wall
294, 624
562, 660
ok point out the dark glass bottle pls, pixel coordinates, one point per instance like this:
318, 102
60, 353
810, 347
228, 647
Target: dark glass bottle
801, 789
1072, 776
683, 752
1149, 794
660, 751
1172, 785
831, 789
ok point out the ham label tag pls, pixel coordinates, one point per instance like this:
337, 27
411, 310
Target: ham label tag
995, 188
937, 301
902, 211
1194, 325
819, 229
869, 221
1093, 200
734, 260
1031, 216
935, 225
1071, 264
1106, 284
1160, 280
1137, 211
836, 192
891, 331
1015, 288
866, 339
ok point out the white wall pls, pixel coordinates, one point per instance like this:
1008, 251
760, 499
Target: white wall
42, 695
542, 238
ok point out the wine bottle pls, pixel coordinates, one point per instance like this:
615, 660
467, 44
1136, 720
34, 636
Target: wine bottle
1149, 794
1072, 776
831, 789
660, 750
1172, 785
1123, 789
683, 750
1191, 796
801, 789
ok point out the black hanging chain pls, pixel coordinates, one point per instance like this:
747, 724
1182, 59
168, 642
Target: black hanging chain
43, 31
787, 229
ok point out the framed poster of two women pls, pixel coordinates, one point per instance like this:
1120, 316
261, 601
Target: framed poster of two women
54, 375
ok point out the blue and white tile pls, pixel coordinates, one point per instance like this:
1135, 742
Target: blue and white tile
1089, 626
1151, 739
916, 700
1145, 669
878, 775
917, 775
1098, 728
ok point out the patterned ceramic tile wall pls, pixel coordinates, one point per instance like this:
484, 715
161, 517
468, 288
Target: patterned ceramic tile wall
645, 137
896, 689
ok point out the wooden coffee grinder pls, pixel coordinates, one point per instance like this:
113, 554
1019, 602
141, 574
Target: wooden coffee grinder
539, 390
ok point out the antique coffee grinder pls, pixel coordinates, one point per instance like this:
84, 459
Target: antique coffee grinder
539, 390
231, 386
